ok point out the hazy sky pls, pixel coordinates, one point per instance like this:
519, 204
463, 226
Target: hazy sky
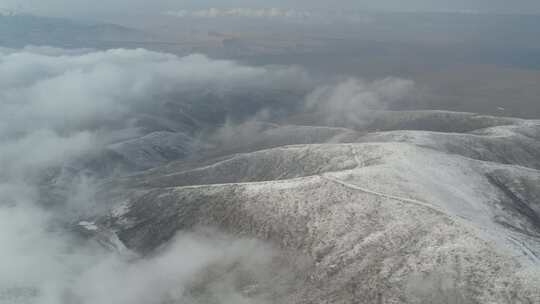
97, 8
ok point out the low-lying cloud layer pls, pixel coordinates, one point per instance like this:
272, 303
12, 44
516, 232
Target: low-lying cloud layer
59, 108
276, 14
242, 12
73, 92
353, 101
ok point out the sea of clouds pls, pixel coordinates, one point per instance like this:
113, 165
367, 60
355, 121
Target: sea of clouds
60, 106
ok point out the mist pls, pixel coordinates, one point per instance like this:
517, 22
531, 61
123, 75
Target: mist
352, 102
257, 152
61, 108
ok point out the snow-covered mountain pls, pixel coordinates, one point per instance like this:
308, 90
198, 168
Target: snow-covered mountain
137, 177
384, 217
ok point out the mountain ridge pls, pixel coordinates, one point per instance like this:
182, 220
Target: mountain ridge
397, 220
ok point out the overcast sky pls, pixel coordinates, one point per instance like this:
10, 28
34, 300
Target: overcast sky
97, 8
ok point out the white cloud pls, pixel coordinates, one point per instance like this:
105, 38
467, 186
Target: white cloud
352, 102
242, 12
55, 91
41, 266
58, 105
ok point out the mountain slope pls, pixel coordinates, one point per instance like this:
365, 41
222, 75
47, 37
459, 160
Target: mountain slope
399, 216
20, 30
363, 243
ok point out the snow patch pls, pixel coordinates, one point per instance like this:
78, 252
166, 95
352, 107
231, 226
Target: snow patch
89, 226
121, 209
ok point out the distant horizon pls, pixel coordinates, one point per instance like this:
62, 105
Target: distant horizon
171, 13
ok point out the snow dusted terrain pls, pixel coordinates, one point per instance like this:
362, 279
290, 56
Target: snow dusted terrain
448, 214
136, 177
